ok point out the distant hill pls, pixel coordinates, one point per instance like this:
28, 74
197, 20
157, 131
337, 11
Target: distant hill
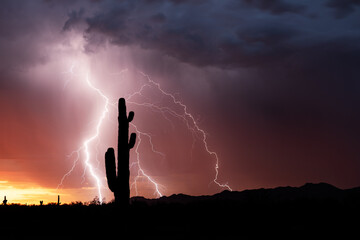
309, 191
312, 211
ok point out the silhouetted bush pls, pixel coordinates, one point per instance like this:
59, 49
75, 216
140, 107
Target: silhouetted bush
76, 203
95, 201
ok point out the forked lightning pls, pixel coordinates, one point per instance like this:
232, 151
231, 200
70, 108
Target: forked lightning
184, 116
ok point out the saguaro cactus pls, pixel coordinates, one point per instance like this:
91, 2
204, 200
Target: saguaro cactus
4, 201
119, 184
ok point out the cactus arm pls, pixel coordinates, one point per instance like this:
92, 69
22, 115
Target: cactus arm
110, 169
131, 116
132, 140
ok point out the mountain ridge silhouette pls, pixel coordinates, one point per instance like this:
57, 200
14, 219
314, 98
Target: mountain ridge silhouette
308, 191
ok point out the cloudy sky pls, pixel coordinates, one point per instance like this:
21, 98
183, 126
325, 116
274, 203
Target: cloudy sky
273, 84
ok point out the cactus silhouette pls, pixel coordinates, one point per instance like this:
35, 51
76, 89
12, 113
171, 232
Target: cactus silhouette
4, 201
58, 203
119, 184
41, 202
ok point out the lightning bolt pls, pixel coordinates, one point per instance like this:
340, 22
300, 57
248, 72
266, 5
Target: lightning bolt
86, 143
186, 117
140, 170
92, 138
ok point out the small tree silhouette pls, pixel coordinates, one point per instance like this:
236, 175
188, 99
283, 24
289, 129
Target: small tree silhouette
119, 184
95, 201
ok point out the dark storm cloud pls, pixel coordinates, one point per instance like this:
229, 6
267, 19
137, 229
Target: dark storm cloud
75, 17
268, 36
287, 45
159, 18
343, 8
229, 34
276, 6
